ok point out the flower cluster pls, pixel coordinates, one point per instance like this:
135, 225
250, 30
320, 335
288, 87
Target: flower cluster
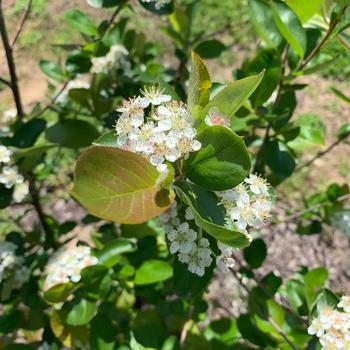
9, 176
65, 265
158, 4
332, 327
248, 204
191, 247
165, 134
116, 58
11, 266
224, 261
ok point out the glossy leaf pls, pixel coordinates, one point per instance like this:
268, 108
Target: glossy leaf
262, 19
222, 162
52, 70
82, 22
72, 133
199, 85
110, 254
290, 27
5, 196
305, 9
210, 48
104, 3
231, 98
109, 139
118, 185
256, 253
153, 271
27, 134
81, 313
58, 293
209, 215
188, 285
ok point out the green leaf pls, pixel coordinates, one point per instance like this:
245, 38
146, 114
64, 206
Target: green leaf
199, 85
305, 9
343, 131
104, 3
231, 98
314, 281
151, 6
9, 322
52, 70
210, 48
82, 22
188, 285
58, 293
312, 132
209, 215
340, 95
110, 254
222, 162
82, 313
289, 26
27, 134
118, 185
261, 16
5, 196
256, 253
109, 139
153, 271
78, 63
72, 133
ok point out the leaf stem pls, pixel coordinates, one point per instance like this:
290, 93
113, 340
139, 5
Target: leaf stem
22, 23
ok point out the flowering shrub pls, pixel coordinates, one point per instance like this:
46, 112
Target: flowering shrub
140, 183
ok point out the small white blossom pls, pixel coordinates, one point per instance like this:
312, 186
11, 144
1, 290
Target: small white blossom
158, 4
5, 154
257, 184
345, 303
224, 261
182, 239
154, 96
65, 265
214, 117
10, 177
11, 266
189, 214
21, 191
198, 258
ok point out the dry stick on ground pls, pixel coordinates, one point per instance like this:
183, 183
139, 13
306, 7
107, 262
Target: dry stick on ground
269, 319
11, 64
22, 23
324, 152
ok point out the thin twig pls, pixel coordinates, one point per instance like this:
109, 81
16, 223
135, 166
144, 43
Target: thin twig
269, 319
22, 23
316, 49
53, 100
323, 153
34, 193
343, 42
6, 82
11, 64
307, 210
112, 19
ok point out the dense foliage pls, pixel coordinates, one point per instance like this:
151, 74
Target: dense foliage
176, 176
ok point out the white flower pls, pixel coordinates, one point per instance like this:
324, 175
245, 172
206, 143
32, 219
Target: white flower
345, 303
116, 58
182, 239
317, 327
66, 265
10, 114
189, 214
21, 191
153, 95
158, 4
198, 258
224, 261
257, 184
186, 145
5, 154
214, 117
164, 148
243, 216
239, 195
10, 177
